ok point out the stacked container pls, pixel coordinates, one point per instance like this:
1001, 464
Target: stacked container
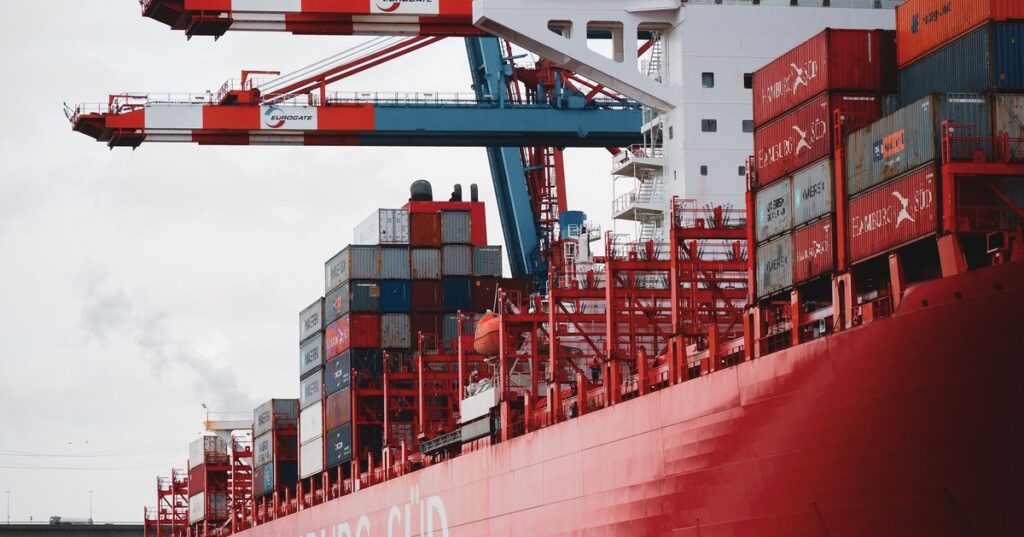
208, 468
312, 351
275, 447
837, 74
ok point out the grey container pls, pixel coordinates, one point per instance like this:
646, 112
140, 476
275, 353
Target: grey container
356, 296
311, 319
275, 414
311, 389
897, 144
774, 209
456, 260
487, 261
987, 59
456, 227
775, 266
384, 226
395, 331
1008, 111
425, 264
311, 355
812, 192
394, 263
357, 262
263, 449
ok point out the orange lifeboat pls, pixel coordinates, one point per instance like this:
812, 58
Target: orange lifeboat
487, 341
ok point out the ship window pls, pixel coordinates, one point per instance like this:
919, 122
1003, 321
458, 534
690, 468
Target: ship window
704, 171
709, 125
671, 132
743, 171
748, 80
748, 125
707, 80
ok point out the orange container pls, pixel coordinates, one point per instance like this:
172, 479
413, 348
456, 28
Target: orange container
923, 26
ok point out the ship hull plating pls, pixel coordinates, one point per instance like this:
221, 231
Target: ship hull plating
906, 426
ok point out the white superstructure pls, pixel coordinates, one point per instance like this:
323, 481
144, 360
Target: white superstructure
696, 80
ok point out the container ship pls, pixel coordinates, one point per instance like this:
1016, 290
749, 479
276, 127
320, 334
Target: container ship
838, 357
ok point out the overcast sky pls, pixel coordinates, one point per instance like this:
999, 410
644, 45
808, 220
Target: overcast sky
135, 286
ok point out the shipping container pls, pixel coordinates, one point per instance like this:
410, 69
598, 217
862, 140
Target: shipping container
311, 319
896, 144
356, 262
197, 478
311, 389
280, 475
394, 263
456, 260
207, 449
487, 261
425, 263
457, 294
395, 331
426, 296
274, 446
311, 458
338, 409
1008, 113
278, 414
311, 355
805, 135
354, 296
196, 507
311, 423
449, 332
774, 209
456, 227
207, 506
923, 26
485, 290
987, 59
428, 324
812, 192
775, 266
425, 230
477, 215
834, 60
338, 372
384, 226
898, 212
395, 296
339, 446
401, 433
352, 330
367, 362
813, 250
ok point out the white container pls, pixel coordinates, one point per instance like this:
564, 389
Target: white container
311, 458
311, 422
384, 226
197, 508
200, 450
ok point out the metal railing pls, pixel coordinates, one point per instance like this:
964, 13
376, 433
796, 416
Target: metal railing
637, 151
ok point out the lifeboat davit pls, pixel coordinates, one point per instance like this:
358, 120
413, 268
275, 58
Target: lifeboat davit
487, 341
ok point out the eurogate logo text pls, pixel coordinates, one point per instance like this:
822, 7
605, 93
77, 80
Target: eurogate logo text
275, 118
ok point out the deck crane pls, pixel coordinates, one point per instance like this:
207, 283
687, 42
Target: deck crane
523, 136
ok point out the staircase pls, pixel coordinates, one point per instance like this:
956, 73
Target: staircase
655, 62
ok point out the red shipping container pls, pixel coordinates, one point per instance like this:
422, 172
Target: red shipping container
804, 135
425, 230
813, 250
922, 26
426, 296
477, 216
359, 330
898, 212
483, 293
427, 323
197, 479
834, 60
338, 408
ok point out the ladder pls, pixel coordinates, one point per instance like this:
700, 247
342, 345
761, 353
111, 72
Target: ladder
654, 64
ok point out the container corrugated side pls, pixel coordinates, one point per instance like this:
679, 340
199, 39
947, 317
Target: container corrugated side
275, 476
812, 192
338, 372
774, 209
311, 458
813, 250
833, 60
197, 508
205, 448
898, 212
426, 296
449, 331
456, 291
456, 260
356, 262
275, 414
487, 261
804, 136
925, 25
1008, 112
425, 230
485, 291
384, 226
311, 319
338, 409
395, 331
311, 422
311, 355
456, 227
311, 389
339, 446
394, 263
987, 59
426, 264
263, 449
775, 266
395, 296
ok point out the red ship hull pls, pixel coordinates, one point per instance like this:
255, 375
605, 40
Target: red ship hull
905, 426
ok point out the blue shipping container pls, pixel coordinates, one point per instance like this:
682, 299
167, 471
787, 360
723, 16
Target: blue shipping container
338, 373
276, 475
990, 58
395, 296
339, 445
457, 294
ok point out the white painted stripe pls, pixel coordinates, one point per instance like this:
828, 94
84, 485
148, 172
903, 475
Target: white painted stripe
260, 17
168, 137
386, 29
174, 116
386, 19
258, 27
262, 138
274, 6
